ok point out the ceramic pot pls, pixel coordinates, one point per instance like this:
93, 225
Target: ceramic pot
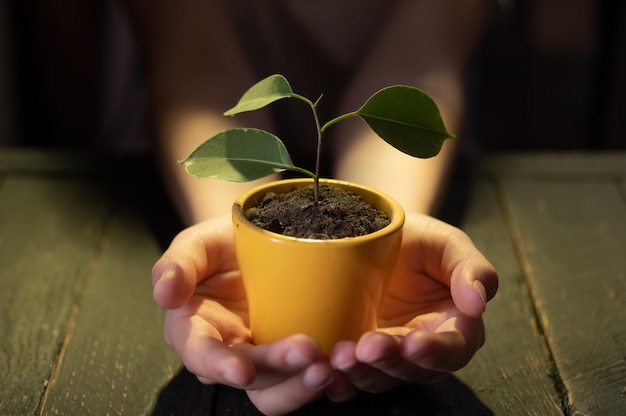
328, 289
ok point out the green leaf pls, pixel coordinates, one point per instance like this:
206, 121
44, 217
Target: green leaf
406, 118
264, 92
239, 155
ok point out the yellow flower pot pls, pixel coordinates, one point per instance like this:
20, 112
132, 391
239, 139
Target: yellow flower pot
328, 289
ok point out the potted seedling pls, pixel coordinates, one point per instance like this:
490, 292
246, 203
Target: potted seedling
301, 271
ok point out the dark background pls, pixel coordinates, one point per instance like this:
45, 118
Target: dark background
549, 75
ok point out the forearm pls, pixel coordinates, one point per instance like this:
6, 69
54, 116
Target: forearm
426, 44
417, 184
196, 71
196, 199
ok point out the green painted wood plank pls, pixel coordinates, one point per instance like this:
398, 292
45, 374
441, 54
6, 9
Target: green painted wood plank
108, 361
572, 239
571, 164
116, 361
38, 161
50, 232
510, 374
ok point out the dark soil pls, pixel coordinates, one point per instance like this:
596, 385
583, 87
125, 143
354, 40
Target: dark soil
337, 214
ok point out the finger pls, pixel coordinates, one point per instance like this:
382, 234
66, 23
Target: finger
290, 373
203, 347
448, 255
341, 389
294, 392
383, 352
473, 283
361, 375
172, 285
280, 360
210, 359
449, 349
194, 254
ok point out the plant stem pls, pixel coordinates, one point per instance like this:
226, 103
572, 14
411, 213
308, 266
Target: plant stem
320, 131
337, 119
316, 185
316, 178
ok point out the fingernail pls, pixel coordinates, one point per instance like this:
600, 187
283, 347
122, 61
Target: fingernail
480, 288
167, 275
237, 340
346, 365
295, 359
315, 378
234, 373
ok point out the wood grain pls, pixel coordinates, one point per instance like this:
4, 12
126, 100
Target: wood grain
50, 235
510, 373
572, 238
116, 360
80, 333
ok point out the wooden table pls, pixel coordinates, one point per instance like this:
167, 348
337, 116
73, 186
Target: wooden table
80, 333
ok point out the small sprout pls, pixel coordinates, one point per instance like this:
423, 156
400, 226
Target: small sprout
405, 117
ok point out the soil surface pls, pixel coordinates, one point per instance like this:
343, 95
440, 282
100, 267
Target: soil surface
337, 214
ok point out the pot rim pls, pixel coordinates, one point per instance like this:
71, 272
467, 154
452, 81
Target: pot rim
396, 212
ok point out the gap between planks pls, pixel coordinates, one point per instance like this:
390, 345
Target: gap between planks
69, 330
555, 376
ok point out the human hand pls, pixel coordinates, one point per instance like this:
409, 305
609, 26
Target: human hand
197, 281
430, 319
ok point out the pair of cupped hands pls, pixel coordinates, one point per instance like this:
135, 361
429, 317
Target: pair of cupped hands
429, 322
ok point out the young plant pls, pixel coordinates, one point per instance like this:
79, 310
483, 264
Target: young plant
405, 117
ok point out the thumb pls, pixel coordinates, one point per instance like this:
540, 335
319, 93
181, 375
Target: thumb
474, 282
195, 253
